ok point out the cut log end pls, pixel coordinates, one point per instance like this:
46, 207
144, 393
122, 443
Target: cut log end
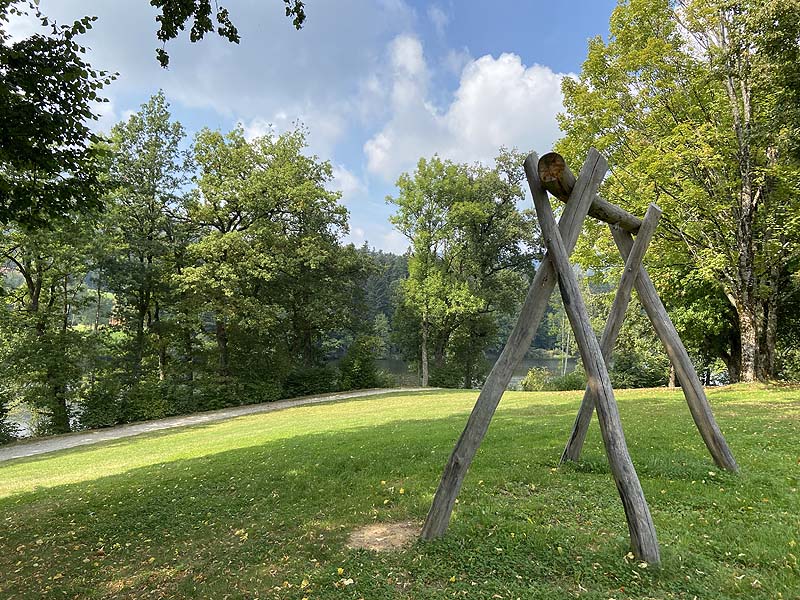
555, 175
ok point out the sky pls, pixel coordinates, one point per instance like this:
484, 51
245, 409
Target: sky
377, 83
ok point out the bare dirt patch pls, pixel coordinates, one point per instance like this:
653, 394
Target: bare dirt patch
383, 537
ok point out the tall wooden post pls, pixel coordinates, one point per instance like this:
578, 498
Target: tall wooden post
690, 383
559, 180
637, 513
613, 325
591, 175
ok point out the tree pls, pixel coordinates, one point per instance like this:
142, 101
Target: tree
679, 101
49, 163
147, 171
470, 248
176, 14
43, 353
268, 264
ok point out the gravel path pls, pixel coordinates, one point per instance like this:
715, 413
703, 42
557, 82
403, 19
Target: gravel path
83, 438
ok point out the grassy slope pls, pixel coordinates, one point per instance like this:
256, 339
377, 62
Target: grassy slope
261, 506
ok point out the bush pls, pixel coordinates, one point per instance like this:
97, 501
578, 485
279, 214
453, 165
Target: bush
307, 381
540, 379
101, 405
357, 370
639, 370
144, 401
8, 431
537, 380
449, 375
576, 380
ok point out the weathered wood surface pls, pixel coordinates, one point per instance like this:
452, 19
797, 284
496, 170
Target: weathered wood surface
690, 383
640, 523
559, 181
613, 325
519, 341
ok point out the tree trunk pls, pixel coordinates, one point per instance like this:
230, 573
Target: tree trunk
60, 412
770, 327
162, 346
424, 351
637, 513
748, 332
518, 343
138, 350
189, 349
222, 347
99, 299
671, 384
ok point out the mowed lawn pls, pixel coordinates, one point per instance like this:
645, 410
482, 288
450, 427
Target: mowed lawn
262, 506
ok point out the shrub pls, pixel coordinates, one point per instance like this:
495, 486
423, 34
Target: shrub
537, 380
306, 381
357, 369
101, 405
449, 375
576, 380
8, 431
540, 379
639, 370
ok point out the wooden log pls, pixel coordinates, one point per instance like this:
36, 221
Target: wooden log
536, 301
559, 181
640, 523
690, 383
613, 325
693, 391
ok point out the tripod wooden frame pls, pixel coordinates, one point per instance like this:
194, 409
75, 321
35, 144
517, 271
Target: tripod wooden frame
552, 174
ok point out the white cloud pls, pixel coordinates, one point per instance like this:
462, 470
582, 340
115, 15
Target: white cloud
455, 60
439, 18
381, 237
499, 102
314, 75
107, 117
346, 182
324, 130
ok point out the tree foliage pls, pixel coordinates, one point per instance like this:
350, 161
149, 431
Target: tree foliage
175, 15
471, 248
684, 99
223, 264
49, 157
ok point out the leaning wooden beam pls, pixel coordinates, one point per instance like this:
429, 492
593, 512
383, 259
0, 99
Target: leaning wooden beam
613, 325
690, 382
592, 173
692, 388
637, 513
559, 181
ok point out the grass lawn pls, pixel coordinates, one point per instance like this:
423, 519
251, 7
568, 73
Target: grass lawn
262, 506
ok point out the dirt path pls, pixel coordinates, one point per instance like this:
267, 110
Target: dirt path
83, 438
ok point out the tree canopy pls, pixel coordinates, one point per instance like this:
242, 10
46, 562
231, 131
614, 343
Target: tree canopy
49, 157
684, 100
176, 15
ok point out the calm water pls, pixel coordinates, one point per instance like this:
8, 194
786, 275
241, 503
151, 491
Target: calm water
399, 369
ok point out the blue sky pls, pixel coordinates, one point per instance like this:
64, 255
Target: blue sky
378, 83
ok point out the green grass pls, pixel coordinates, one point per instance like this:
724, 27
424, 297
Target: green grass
261, 506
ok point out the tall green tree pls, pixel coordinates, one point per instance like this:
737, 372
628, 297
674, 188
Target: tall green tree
43, 353
679, 101
147, 172
470, 246
268, 263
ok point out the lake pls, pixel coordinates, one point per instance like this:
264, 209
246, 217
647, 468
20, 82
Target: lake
399, 368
